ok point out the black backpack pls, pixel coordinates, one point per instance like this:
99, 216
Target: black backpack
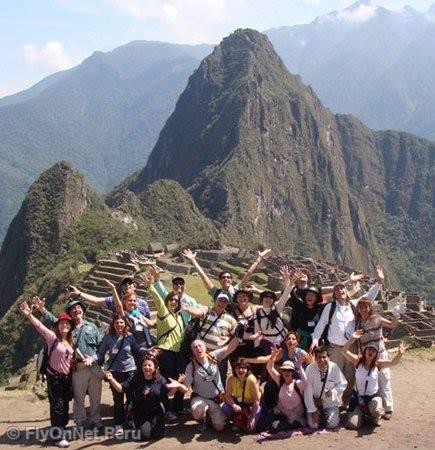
43, 360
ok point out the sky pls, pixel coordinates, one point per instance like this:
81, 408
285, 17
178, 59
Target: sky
40, 37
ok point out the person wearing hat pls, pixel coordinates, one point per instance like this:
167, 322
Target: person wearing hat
268, 323
60, 357
242, 398
372, 325
225, 277
217, 327
306, 314
290, 403
87, 374
337, 318
366, 403
325, 385
127, 289
178, 286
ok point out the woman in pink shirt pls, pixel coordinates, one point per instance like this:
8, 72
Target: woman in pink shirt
290, 409
60, 353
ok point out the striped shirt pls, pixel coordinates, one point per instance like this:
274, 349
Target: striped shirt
216, 330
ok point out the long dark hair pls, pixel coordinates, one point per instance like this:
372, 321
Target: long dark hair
68, 336
116, 317
274, 314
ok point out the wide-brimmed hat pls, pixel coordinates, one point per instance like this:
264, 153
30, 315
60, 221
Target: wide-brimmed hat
270, 294
287, 365
74, 302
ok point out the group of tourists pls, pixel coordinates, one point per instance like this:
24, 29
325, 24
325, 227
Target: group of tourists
287, 372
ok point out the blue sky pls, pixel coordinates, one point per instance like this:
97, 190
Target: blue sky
39, 37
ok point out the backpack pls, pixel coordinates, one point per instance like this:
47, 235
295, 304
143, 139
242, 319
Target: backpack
43, 359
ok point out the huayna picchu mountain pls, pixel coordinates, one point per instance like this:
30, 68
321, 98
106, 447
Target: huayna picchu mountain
268, 163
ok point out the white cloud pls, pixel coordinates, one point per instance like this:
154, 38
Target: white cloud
359, 14
51, 55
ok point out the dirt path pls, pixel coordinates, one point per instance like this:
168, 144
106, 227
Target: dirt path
412, 426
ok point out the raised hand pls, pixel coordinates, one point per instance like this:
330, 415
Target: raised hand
188, 254
274, 353
109, 283
264, 253
38, 303
357, 333
380, 275
402, 348
146, 278
154, 272
285, 273
72, 290
354, 277
25, 309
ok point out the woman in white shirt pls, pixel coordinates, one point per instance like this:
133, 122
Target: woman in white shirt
366, 402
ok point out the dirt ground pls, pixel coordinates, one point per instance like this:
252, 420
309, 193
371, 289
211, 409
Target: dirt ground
412, 426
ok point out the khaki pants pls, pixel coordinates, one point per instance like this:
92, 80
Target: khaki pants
375, 412
84, 380
202, 406
347, 368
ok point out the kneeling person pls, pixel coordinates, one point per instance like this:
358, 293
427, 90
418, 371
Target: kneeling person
325, 386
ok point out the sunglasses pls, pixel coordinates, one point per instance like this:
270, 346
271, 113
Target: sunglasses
268, 296
178, 283
226, 277
287, 370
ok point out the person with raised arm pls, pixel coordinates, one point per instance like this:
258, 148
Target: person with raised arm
178, 286
225, 277
170, 332
122, 348
60, 358
128, 308
289, 412
148, 391
372, 325
325, 385
366, 403
127, 288
203, 376
334, 323
86, 377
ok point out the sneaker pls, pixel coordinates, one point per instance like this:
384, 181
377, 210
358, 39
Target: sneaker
63, 443
388, 415
170, 416
119, 431
145, 429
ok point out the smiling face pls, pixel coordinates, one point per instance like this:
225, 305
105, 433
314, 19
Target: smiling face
220, 305
226, 280
173, 303
130, 302
364, 309
64, 327
76, 313
119, 326
241, 371
148, 368
340, 292
322, 359
242, 300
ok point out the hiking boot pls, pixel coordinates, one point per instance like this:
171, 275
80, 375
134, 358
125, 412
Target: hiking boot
170, 416
202, 425
145, 429
119, 431
388, 415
